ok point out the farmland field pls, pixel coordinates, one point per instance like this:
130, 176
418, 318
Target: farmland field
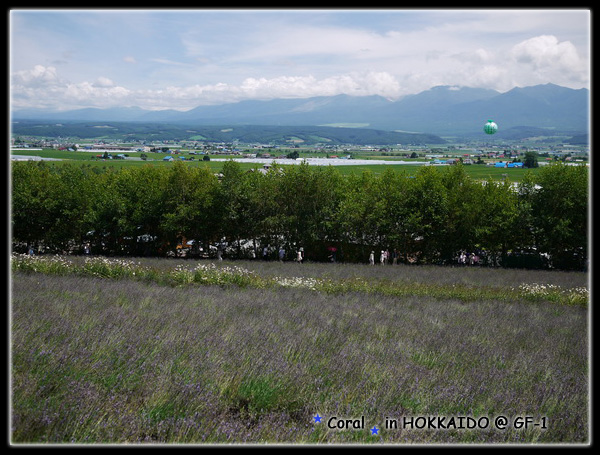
156, 159
173, 351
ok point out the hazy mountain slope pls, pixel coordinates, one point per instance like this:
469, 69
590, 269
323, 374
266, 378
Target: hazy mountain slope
442, 110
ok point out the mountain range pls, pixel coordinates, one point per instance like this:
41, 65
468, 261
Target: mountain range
442, 110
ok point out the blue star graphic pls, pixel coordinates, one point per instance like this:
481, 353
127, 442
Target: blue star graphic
374, 430
317, 418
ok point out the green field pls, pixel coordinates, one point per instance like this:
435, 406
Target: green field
156, 159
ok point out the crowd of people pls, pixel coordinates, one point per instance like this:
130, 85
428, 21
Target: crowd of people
385, 257
268, 253
281, 254
468, 258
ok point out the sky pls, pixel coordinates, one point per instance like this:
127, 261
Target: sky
63, 59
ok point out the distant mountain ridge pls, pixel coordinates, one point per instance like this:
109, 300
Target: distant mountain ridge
441, 110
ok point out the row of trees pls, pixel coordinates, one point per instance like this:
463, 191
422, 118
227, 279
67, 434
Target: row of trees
429, 217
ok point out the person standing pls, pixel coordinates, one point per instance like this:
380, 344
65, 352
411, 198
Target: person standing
372, 258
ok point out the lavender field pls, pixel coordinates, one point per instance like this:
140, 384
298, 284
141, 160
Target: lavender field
190, 352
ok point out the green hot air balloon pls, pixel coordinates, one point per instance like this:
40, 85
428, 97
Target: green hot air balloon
490, 127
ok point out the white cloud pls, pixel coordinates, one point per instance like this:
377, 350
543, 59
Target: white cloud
549, 59
98, 95
41, 87
536, 60
39, 75
105, 93
367, 83
104, 82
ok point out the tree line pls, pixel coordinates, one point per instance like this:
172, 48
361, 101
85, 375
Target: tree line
269, 134
427, 218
